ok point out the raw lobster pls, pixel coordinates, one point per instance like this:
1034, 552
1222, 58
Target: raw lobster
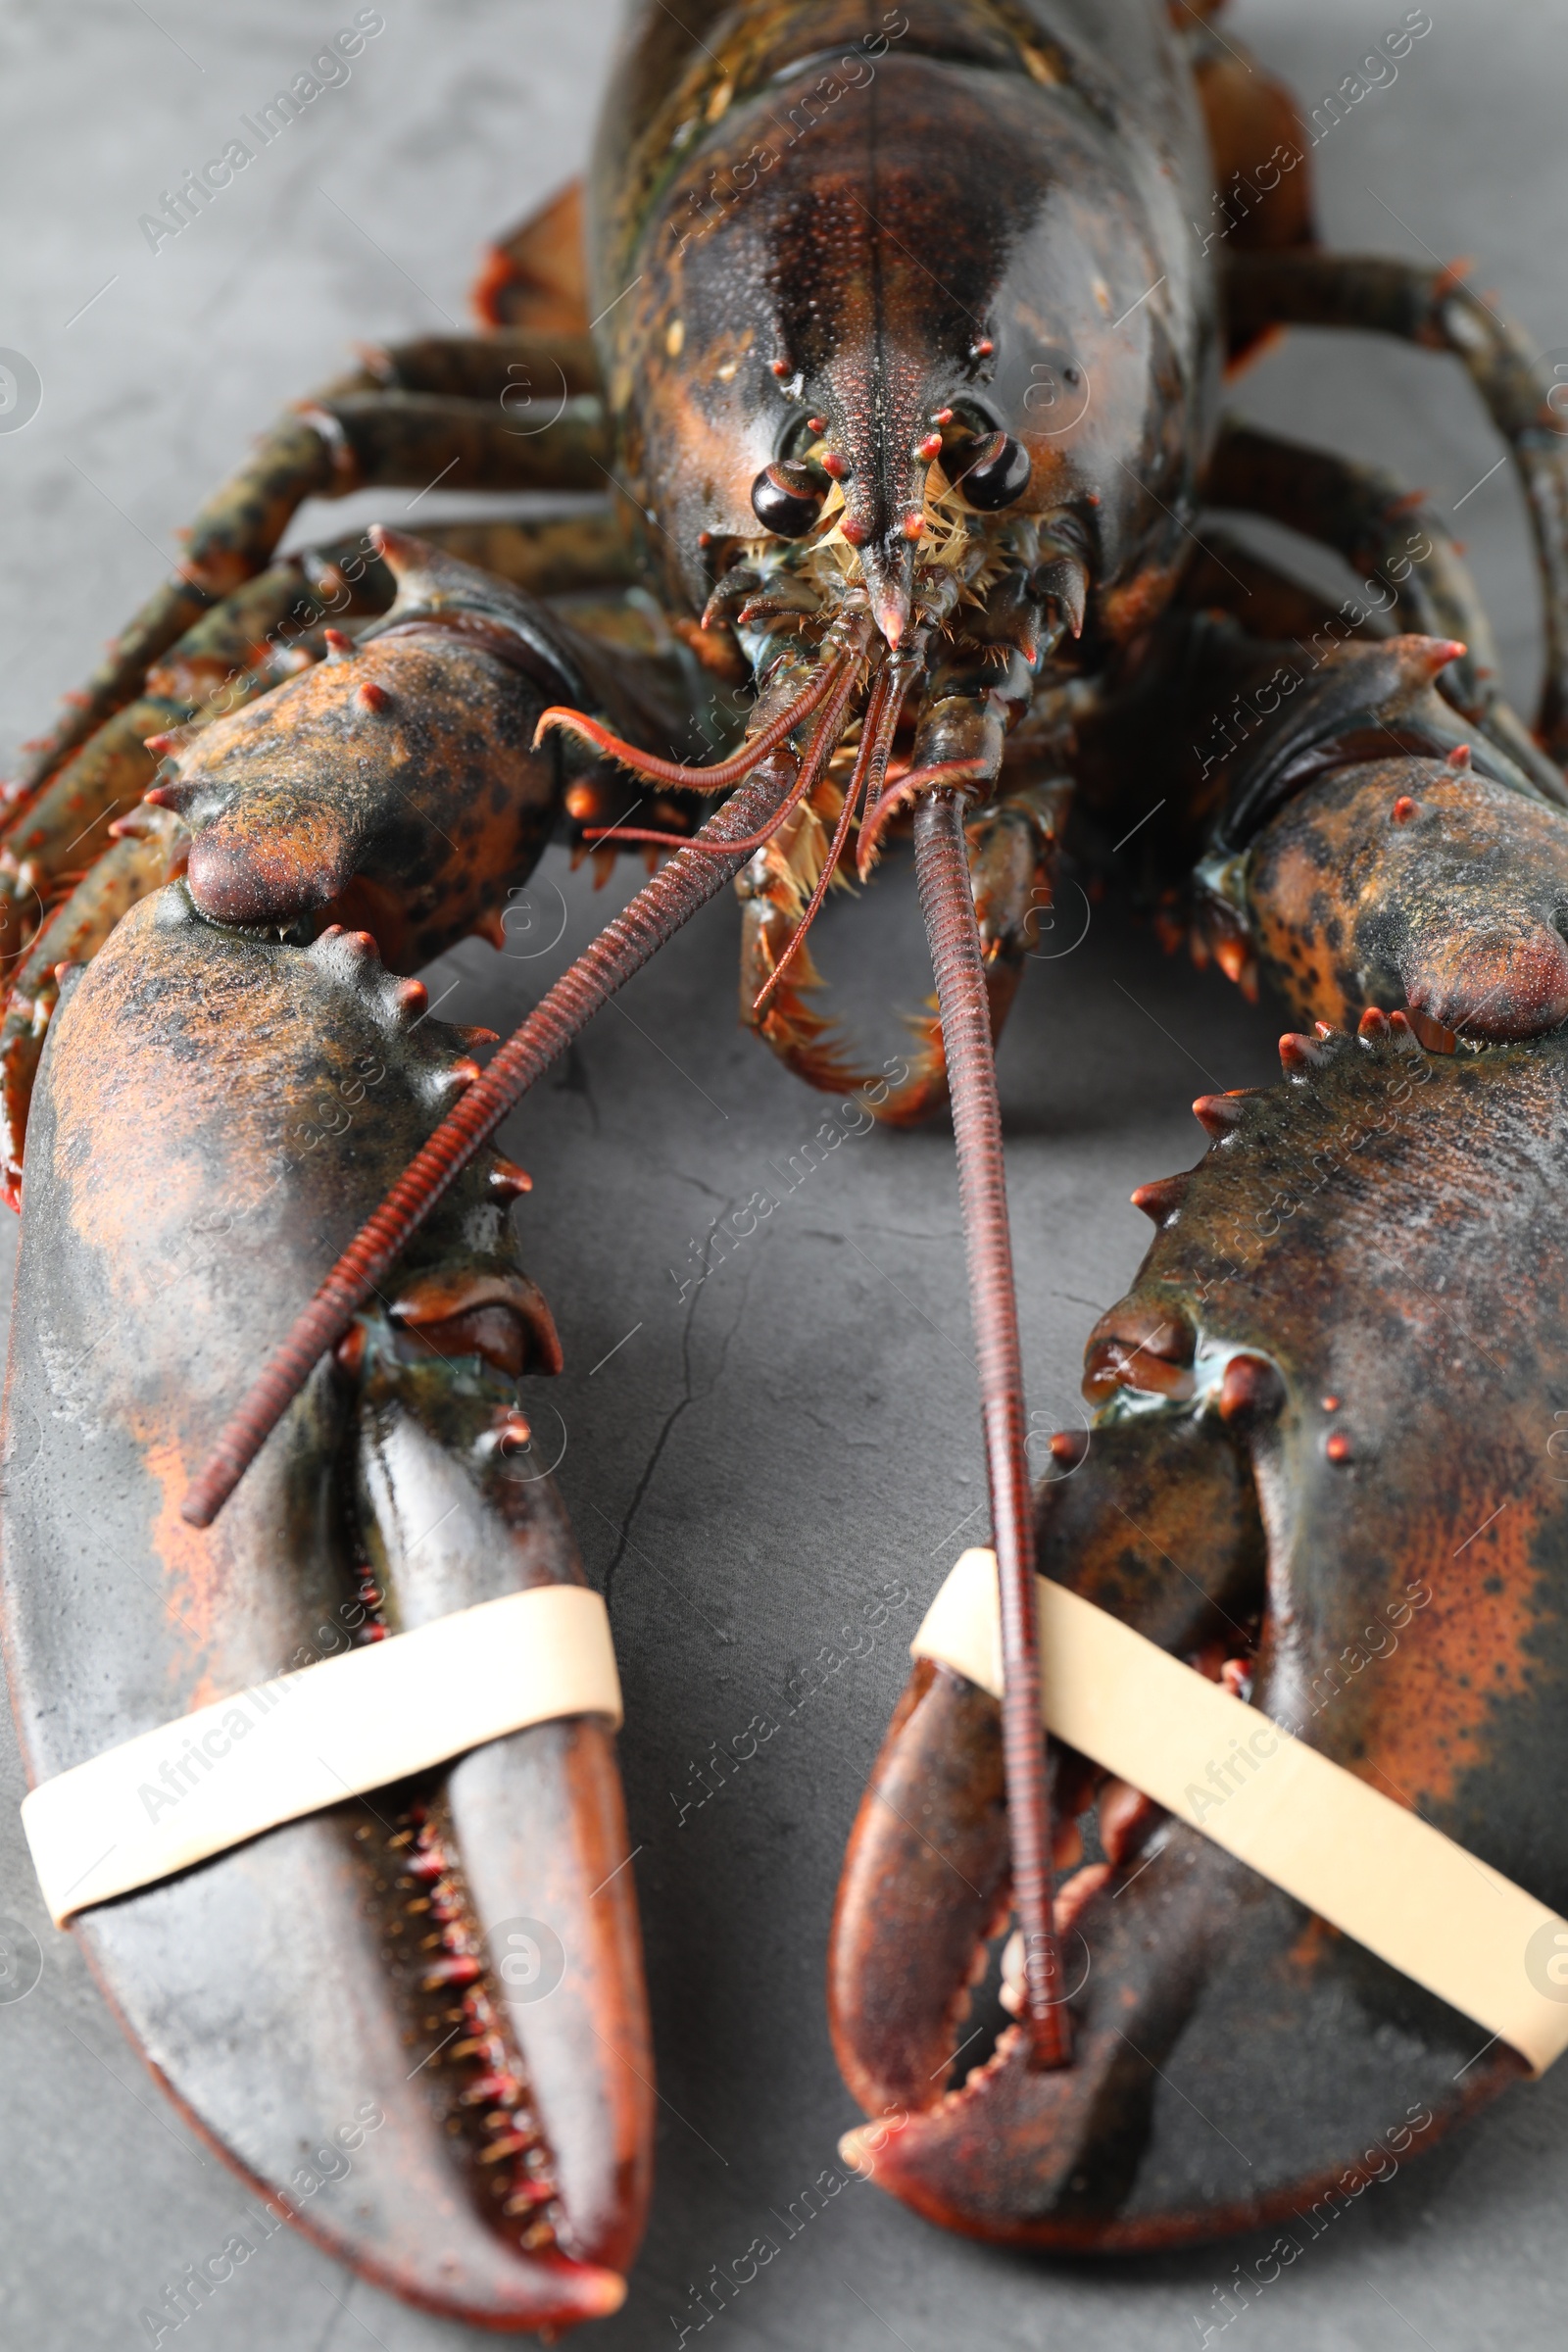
907, 372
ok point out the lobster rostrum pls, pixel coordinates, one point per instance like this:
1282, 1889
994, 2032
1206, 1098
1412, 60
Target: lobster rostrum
907, 371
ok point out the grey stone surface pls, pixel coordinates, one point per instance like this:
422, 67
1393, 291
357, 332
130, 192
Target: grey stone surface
753, 1462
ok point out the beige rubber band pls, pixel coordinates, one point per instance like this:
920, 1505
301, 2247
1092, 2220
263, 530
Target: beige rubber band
1365, 1864
226, 1772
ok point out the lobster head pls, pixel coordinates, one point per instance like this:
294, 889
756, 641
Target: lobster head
827, 332
1321, 1470
903, 429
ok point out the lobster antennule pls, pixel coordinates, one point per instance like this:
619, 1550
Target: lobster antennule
675, 772
824, 744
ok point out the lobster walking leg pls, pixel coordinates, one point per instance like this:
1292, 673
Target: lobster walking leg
1430, 308
394, 438
1385, 533
354, 436
528, 371
554, 556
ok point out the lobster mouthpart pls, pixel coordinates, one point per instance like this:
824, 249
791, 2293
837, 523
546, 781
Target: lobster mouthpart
1346, 1510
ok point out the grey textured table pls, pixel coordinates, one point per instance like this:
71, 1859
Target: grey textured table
753, 1462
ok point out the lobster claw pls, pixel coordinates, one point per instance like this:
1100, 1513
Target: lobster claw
415, 2021
1318, 1515
1044, 2158
1232, 2056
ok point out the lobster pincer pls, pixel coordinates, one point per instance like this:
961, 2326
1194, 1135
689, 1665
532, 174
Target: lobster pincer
1319, 1476
455, 1952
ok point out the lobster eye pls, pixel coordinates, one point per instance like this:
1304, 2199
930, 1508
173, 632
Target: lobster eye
992, 470
787, 497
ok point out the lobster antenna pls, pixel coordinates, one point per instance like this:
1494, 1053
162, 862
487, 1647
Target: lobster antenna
942, 873
902, 795
660, 907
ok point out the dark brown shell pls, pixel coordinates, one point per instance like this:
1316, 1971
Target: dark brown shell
1379, 1235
